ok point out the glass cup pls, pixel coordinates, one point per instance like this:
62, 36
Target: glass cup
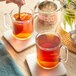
48, 50
21, 28
48, 12
47, 15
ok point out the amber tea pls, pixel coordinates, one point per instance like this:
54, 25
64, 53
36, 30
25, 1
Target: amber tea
24, 27
48, 50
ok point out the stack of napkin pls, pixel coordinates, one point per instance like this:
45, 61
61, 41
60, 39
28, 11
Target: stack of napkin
7, 65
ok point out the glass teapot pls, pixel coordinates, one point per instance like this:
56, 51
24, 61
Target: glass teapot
68, 14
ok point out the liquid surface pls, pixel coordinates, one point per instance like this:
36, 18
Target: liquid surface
22, 28
48, 6
48, 59
23, 16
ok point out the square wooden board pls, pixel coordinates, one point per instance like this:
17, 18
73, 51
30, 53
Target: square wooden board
19, 45
36, 70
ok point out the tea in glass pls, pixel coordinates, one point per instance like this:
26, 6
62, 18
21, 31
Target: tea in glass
22, 28
22, 22
48, 50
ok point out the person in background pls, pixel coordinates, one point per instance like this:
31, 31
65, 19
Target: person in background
18, 2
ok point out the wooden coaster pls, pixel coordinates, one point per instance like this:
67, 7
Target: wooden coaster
66, 40
36, 70
19, 45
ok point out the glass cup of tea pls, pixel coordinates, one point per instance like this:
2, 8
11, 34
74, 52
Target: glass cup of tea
48, 50
21, 28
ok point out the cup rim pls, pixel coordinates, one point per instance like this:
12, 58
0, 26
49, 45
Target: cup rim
11, 15
48, 49
22, 21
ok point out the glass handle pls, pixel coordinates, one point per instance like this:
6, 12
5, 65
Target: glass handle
36, 6
35, 9
73, 35
5, 21
66, 59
